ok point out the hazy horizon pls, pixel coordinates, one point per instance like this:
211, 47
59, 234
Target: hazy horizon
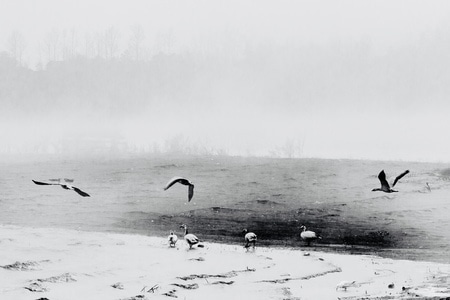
326, 79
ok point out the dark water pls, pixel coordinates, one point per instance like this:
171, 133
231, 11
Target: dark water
272, 197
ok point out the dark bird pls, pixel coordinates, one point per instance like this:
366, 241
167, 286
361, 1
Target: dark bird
183, 181
308, 236
61, 179
385, 185
64, 186
250, 238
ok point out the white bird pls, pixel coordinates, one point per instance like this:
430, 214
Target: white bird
249, 237
308, 236
385, 185
64, 186
172, 239
190, 238
183, 181
345, 284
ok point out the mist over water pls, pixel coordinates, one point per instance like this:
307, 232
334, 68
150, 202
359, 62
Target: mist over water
296, 79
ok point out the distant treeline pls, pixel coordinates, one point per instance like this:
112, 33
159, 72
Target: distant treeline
286, 77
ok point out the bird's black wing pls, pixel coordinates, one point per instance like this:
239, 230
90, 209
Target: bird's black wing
80, 192
175, 180
382, 178
44, 183
399, 177
190, 192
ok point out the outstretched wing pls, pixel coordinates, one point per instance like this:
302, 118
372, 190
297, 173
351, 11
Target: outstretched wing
399, 177
190, 192
55, 179
175, 180
80, 192
382, 178
44, 183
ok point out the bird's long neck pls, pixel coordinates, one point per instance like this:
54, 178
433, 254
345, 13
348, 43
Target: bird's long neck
377, 190
185, 230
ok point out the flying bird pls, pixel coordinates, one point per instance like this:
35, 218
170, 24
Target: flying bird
183, 181
249, 237
172, 239
61, 179
190, 238
385, 185
64, 186
308, 236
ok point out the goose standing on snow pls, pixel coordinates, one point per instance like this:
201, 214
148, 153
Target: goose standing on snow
172, 239
385, 185
249, 237
190, 238
65, 186
308, 236
183, 181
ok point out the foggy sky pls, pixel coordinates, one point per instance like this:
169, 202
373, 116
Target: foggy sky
350, 123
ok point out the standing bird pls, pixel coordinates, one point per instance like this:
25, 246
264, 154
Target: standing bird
183, 181
172, 239
190, 238
385, 185
64, 186
308, 236
249, 237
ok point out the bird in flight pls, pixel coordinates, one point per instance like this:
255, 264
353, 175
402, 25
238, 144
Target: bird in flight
385, 185
64, 185
183, 181
61, 179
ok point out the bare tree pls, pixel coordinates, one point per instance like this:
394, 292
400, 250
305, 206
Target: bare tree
99, 45
52, 42
73, 42
165, 42
16, 46
68, 44
111, 42
40, 62
136, 42
64, 48
89, 47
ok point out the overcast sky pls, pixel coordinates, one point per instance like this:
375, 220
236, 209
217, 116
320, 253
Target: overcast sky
383, 22
344, 131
